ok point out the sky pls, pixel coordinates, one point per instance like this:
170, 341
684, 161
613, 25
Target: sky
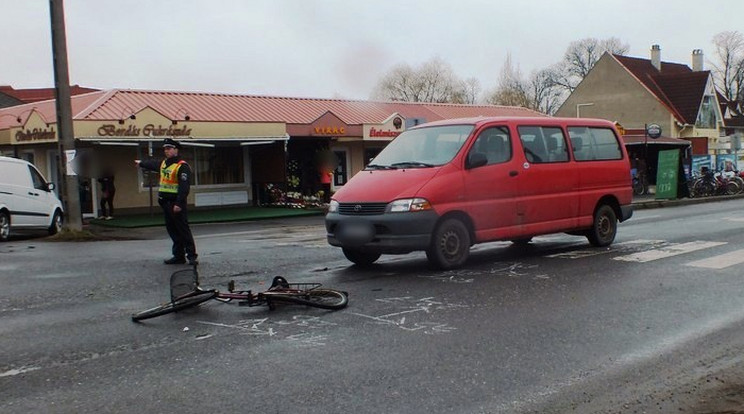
333, 48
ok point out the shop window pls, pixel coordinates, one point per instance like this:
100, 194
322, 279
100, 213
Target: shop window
210, 166
215, 166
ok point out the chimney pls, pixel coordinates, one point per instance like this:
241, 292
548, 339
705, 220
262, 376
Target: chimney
656, 56
697, 60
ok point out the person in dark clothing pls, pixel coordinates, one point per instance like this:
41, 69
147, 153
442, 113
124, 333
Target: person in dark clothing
175, 183
107, 194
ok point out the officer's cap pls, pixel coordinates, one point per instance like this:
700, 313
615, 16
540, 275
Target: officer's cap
170, 142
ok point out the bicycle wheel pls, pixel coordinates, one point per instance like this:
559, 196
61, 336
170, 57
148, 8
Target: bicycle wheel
192, 299
317, 298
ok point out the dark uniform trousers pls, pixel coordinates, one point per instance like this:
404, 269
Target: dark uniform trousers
177, 225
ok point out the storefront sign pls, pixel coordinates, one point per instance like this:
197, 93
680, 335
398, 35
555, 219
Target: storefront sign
380, 133
149, 130
329, 130
36, 134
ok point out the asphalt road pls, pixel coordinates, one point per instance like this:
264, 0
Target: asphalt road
652, 323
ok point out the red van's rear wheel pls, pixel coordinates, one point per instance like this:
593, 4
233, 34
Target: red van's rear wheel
450, 245
604, 229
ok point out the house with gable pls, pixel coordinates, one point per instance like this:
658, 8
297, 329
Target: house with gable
637, 92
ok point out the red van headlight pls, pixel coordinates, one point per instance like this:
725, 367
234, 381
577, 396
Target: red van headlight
409, 205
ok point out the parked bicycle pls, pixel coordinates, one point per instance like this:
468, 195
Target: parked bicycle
640, 184
186, 293
712, 183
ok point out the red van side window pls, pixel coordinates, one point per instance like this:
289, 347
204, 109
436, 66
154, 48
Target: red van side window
543, 144
592, 144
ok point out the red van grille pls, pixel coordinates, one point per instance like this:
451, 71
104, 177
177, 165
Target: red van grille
361, 209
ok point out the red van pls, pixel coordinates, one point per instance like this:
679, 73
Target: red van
443, 186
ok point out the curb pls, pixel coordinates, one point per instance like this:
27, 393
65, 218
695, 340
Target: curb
650, 204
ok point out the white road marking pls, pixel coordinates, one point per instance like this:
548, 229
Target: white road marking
294, 231
21, 370
578, 254
667, 251
721, 261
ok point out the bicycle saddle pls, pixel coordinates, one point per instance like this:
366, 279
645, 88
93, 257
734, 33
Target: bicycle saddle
280, 282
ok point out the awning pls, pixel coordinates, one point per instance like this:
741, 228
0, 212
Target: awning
641, 140
185, 141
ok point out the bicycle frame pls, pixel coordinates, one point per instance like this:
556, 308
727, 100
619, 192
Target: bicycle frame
248, 298
186, 293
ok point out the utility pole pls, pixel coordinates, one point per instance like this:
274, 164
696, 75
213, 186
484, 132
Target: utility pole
66, 138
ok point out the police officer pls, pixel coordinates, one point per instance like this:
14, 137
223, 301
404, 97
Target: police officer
175, 182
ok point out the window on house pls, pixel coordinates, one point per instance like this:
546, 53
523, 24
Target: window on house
707, 116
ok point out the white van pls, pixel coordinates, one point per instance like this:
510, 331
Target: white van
26, 199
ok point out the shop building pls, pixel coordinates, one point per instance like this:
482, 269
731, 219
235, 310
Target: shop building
239, 146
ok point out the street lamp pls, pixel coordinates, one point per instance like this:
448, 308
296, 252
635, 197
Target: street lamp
578, 108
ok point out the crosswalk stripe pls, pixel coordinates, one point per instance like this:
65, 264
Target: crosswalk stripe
721, 261
616, 248
667, 251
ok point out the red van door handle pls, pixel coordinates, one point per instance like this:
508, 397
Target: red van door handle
513, 173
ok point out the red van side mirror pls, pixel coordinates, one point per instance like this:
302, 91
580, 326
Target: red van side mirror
476, 159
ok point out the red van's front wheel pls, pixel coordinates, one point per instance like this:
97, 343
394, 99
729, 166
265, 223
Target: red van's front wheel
450, 245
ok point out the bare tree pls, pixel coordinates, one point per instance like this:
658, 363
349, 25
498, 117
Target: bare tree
728, 70
433, 81
467, 92
546, 95
512, 89
539, 92
580, 58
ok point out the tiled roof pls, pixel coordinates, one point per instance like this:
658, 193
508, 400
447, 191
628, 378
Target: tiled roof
118, 104
675, 85
9, 116
685, 91
251, 108
7, 100
40, 94
737, 121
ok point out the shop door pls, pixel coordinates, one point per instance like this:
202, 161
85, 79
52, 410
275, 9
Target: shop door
341, 173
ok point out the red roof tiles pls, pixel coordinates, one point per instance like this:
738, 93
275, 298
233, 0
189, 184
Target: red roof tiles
118, 104
40, 94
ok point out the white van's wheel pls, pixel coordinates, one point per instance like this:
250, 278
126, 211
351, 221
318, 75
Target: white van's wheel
361, 258
4, 226
450, 245
604, 229
56, 225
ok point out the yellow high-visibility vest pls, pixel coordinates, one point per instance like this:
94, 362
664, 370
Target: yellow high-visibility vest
169, 177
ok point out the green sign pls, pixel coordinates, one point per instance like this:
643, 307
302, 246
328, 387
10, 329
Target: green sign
667, 174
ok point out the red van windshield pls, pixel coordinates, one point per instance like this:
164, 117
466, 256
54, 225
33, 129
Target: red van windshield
423, 147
